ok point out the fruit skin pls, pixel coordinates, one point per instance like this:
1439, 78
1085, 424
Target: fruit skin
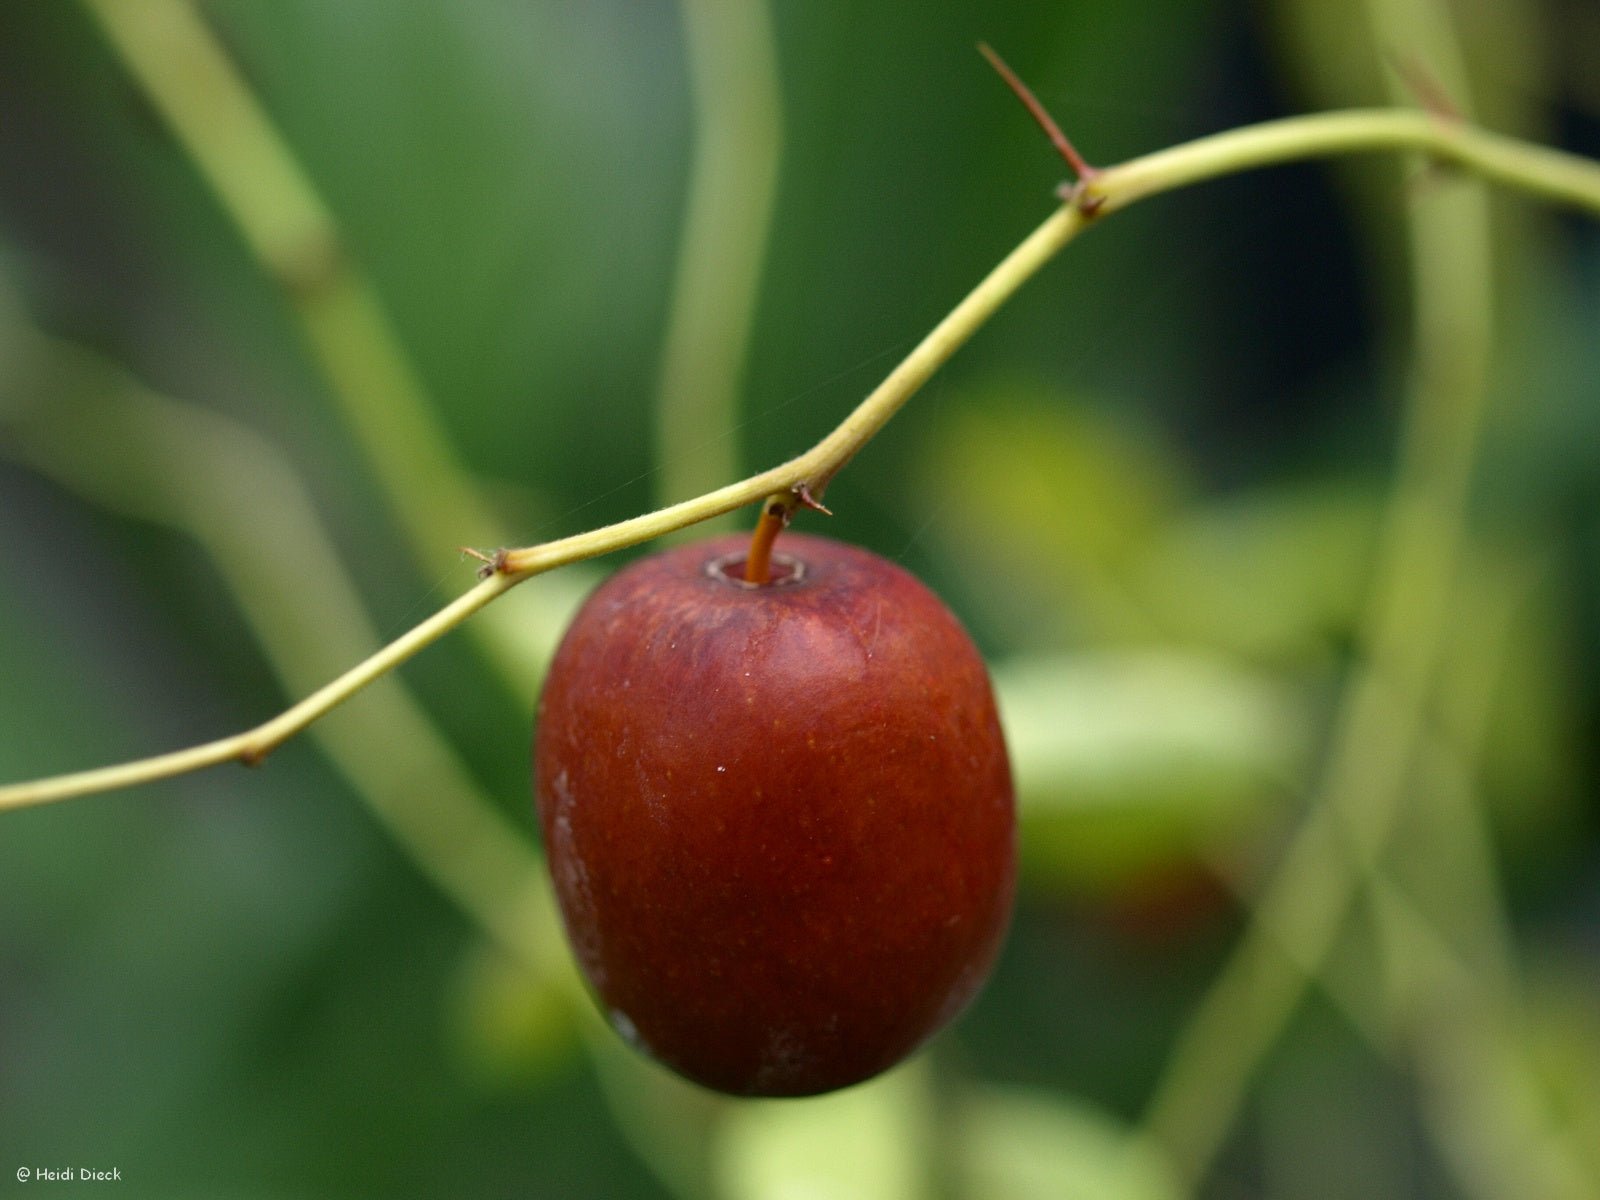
779, 819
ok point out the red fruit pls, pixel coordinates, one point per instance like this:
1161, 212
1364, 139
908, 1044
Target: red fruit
779, 818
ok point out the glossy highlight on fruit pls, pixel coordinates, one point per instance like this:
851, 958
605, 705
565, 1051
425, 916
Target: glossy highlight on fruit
779, 818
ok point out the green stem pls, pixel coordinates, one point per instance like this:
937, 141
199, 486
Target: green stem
1537, 170
1298, 137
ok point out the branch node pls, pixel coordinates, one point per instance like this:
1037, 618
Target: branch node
1077, 194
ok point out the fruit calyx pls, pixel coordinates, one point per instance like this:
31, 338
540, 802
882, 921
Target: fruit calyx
782, 569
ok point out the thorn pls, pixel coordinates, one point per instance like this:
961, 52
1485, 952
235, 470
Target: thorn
493, 564
1080, 165
802, 493
1426, 88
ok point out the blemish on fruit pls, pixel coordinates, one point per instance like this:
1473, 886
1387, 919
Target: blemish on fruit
626, 1029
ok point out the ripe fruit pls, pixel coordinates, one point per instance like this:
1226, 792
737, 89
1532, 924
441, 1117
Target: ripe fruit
780, 817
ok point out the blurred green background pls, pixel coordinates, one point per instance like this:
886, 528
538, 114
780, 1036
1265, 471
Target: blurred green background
1274, 503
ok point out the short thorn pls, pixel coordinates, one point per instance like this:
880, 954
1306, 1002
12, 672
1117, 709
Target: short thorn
802, 493
1080, 165
493, 564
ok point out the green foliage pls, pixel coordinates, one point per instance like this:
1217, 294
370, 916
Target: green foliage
1158, 487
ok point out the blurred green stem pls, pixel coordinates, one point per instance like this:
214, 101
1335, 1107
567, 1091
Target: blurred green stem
1299, 913
94, 430
227, 133
812, 471
1484, 1103
1306, 902
732, 185
187, 75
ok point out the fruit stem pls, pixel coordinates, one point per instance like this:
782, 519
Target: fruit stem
775, 513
